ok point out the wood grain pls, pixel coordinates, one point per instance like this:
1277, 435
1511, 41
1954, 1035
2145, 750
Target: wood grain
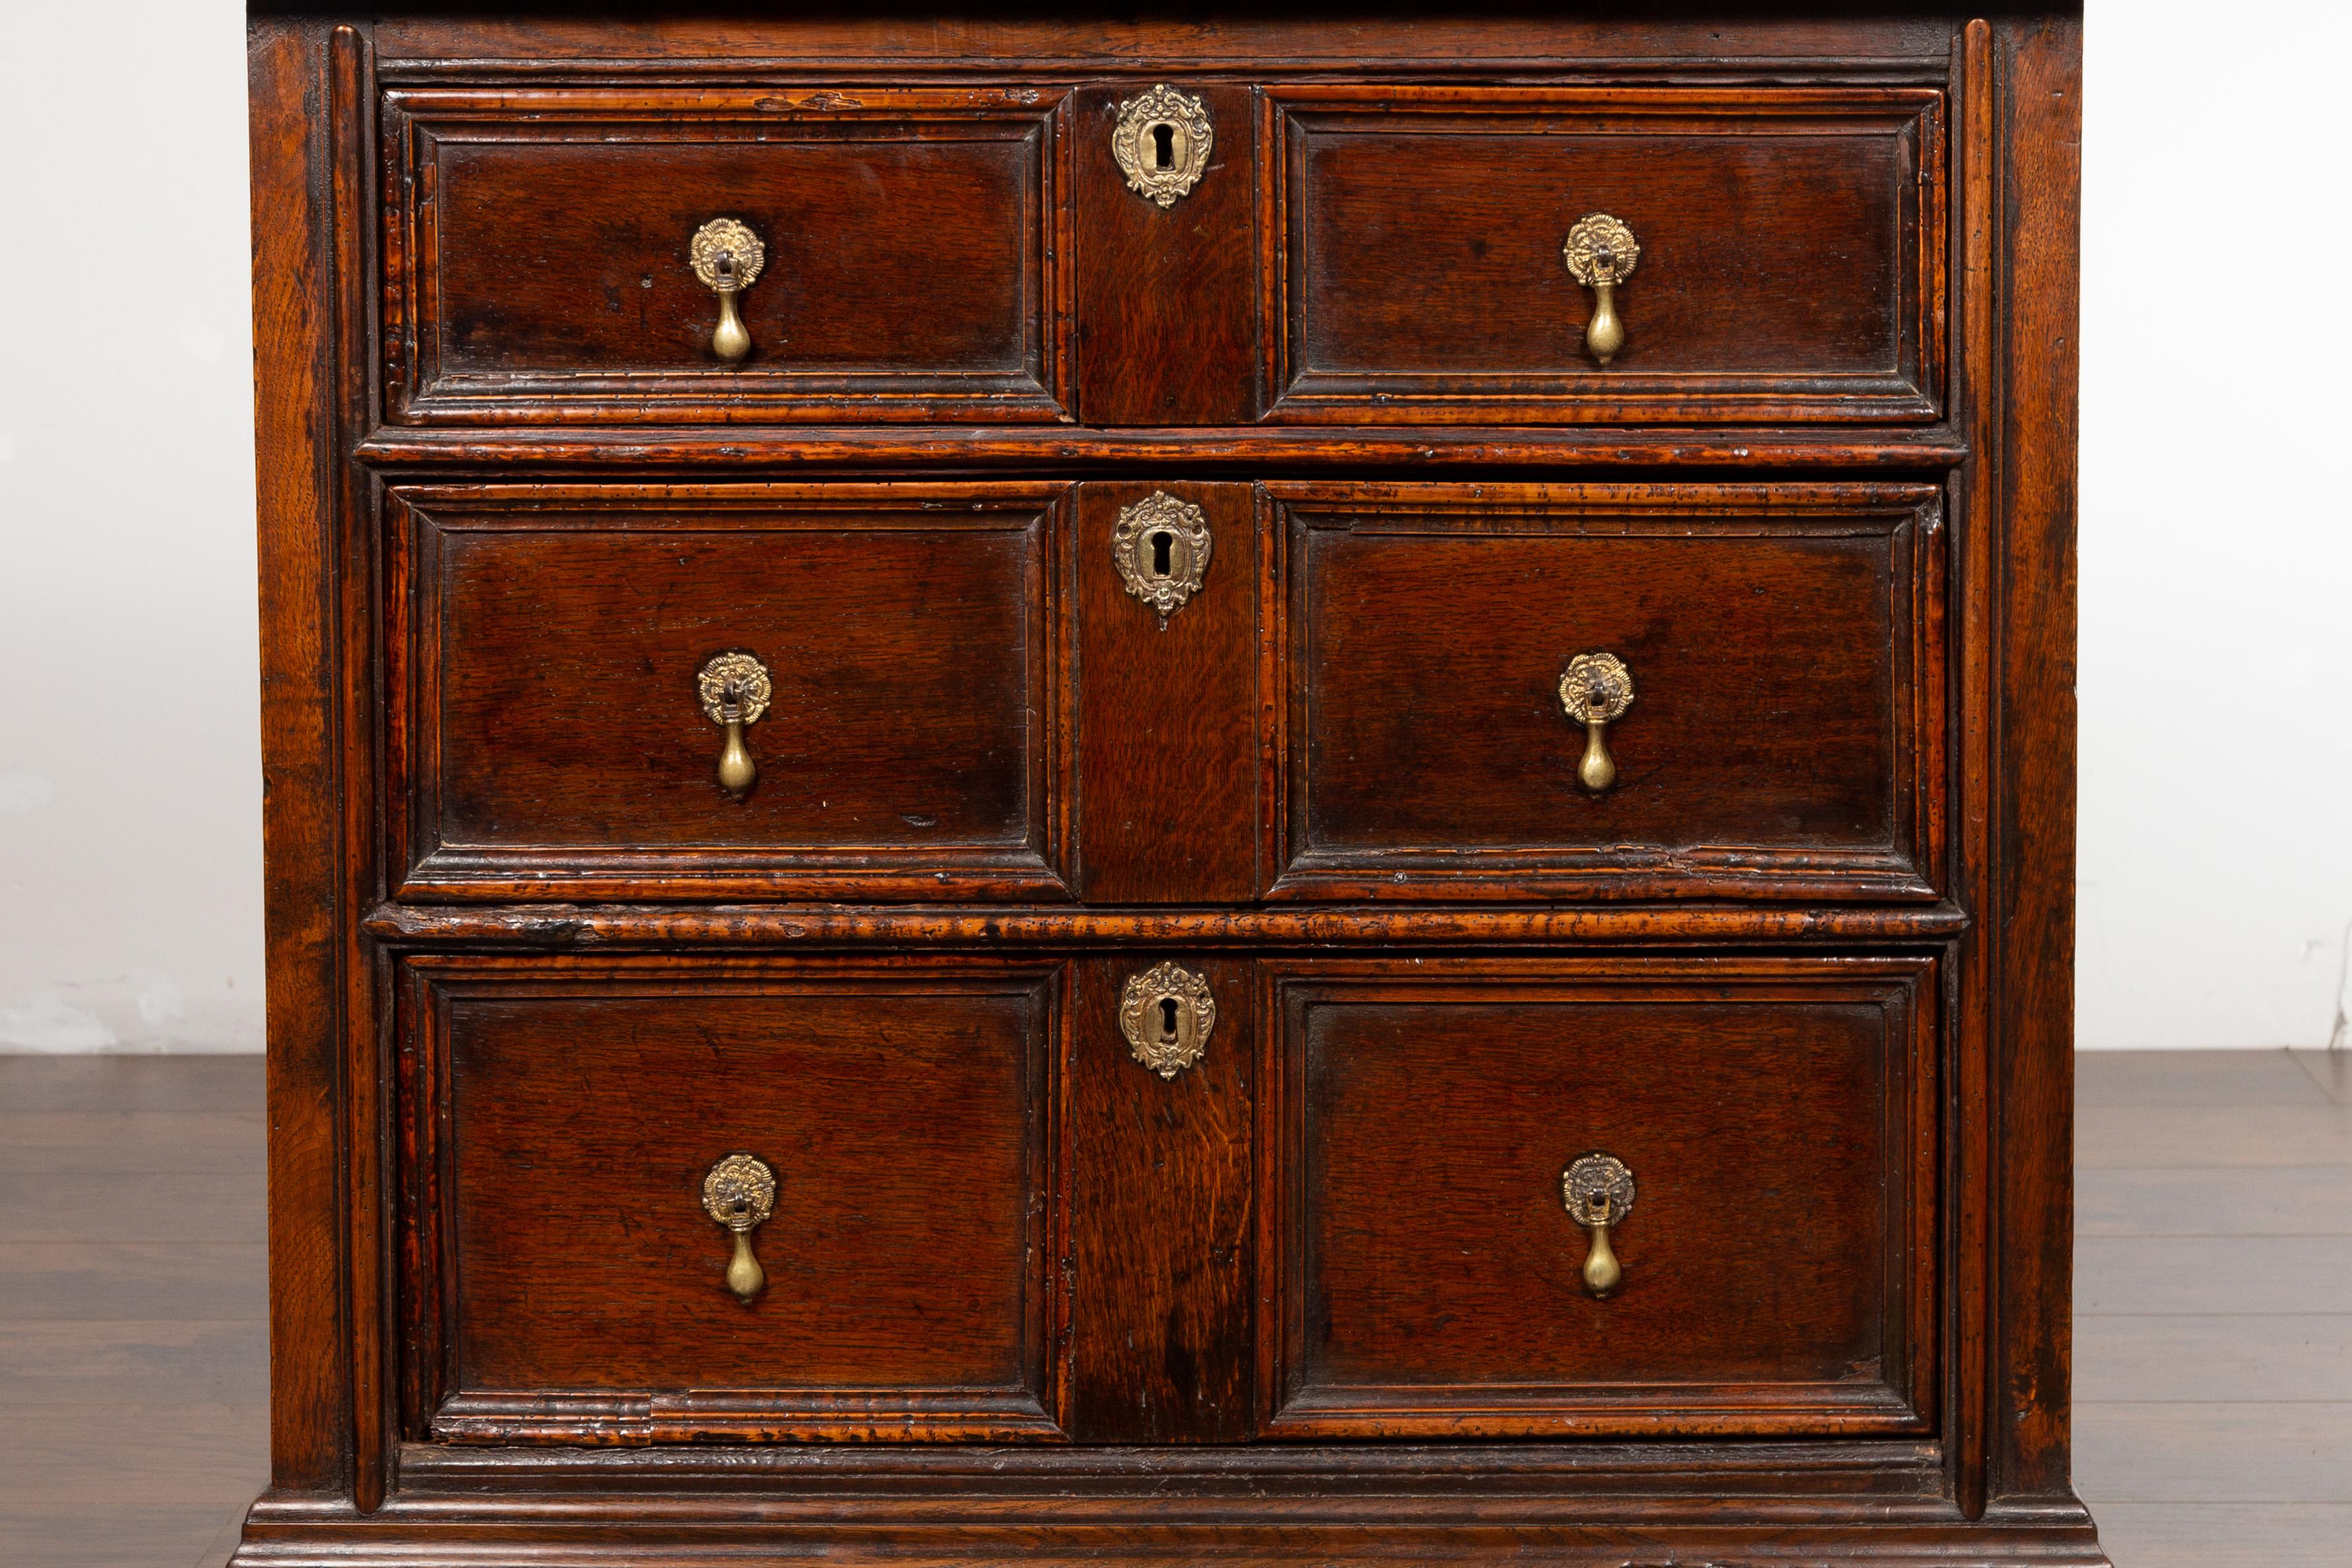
2214, 1273
2240, 1200
1168, 715
1426, 1274
1791, 254
1159, 1220
304, 885
552, 739
57, 1360
1311, 39
180, 1206
749, 449
129, 1143
1167, 302
2277, 1452
540, 269
2255, 1354
2033, 995
118, 1084
1785, 727
2170, 1137
209, 1281
2144, 1371
570, 1111
469, 276
2114, 1079
575, 926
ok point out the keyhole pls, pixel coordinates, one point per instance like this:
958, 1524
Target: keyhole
1161, 544
1167, 1018
1163, 145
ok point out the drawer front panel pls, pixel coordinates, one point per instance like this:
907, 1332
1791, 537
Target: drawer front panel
1787, 260
538, 261
1775, 1116
1783, 646
552, 739
568, 1284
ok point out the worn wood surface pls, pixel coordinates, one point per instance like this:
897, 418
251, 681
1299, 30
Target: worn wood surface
1167, 714
1790, 267
1785, 736
572, 1287
539, 255
551, 736
1161, 1195
308, 893
1779, 1256
2206, 1439
1167, 302
469, 276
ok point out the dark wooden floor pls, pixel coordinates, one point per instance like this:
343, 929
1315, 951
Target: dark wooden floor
2213, 1338
2213, 1307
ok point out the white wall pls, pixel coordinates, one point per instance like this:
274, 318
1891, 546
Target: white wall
2217, 535
2216, 680
130, 729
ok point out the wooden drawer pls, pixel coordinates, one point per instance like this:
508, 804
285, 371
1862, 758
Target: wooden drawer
549, 736
1790, 267
566, 1283
1785, 648
1777, 1118
536, 253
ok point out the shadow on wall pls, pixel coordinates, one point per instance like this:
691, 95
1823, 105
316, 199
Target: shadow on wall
133, 1012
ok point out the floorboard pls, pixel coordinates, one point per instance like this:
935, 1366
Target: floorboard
2213, 1299
2226, 1535
2213, 1307
2236, 1200
185, 1206
2196, 1137
53, 1361
2187, 1358
2213, 1273
2116, 1079
2268, 1452
120, 1083
128, 1143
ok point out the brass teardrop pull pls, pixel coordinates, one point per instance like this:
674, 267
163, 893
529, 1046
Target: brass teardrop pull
1595, 690
735, 690
1599, 1192
727, 256
740, 1193
1601, 252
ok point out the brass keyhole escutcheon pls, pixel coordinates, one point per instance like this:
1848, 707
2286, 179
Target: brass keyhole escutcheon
1599, 1192
1601, 252
740, 1193
1166, 1013
1161, 140
727, 256
1162, 547
1595, 691
735, 690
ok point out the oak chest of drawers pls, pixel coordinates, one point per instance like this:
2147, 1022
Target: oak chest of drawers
1294, 786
